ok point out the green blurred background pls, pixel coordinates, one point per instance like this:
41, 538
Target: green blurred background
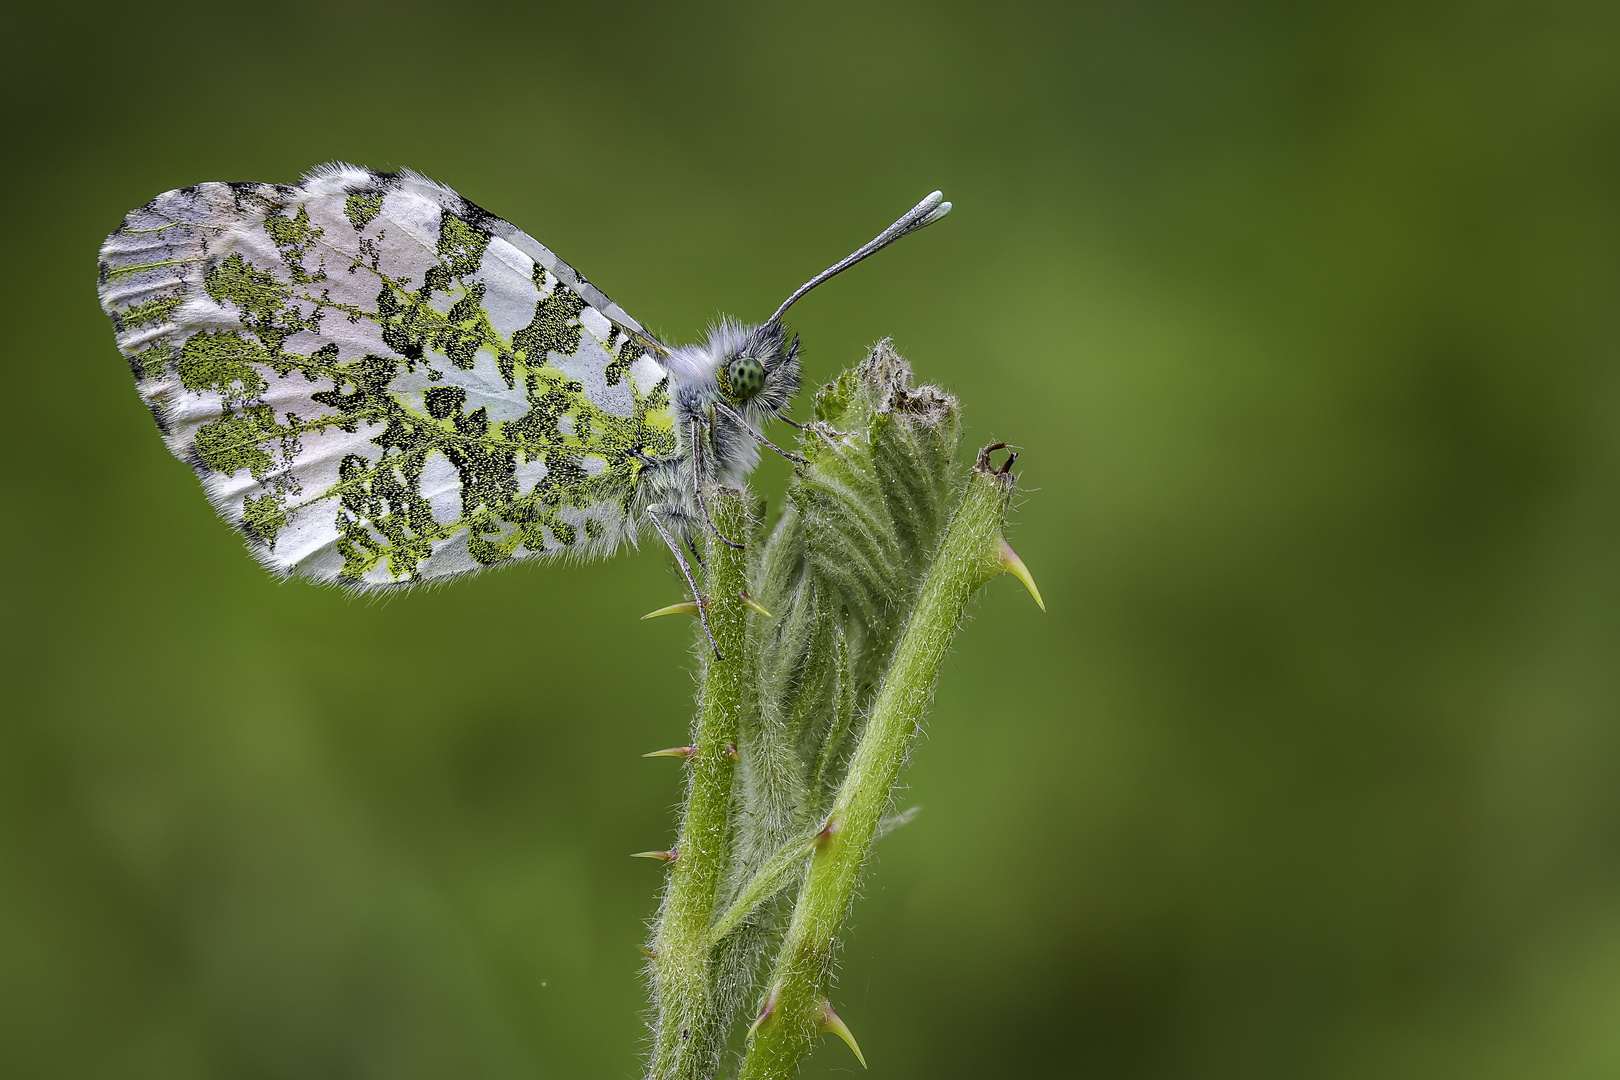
1305, 317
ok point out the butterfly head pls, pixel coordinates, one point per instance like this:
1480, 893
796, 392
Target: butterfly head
742, 378
751, 370
741, 373
755, 368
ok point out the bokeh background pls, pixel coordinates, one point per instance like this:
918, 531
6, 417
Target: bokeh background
1305, 317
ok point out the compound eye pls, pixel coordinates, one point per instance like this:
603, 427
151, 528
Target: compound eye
744, 377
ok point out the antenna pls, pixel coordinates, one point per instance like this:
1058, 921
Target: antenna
924, 213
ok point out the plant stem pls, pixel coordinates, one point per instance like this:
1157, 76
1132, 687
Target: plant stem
843, 720
690, 1024
796, 1009
777, 873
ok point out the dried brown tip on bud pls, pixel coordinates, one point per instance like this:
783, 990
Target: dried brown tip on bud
688, 607
985, 465
829, 1021
1012, 564
651, 954
666, 856
683, 752
748, 602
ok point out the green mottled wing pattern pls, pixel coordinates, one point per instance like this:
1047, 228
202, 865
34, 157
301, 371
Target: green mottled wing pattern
380, 384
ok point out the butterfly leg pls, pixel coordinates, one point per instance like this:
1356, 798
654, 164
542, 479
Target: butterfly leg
697, 488
655, 515
740, 422
819, 430
698, 491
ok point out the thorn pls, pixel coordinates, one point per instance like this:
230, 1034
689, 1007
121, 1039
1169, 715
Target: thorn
666, 856
651, 954
830, 1021
764, 1015
688, 607
1012, 564
731, 750
749, 602
683, 752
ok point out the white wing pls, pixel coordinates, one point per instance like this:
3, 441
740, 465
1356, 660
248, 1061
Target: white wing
378, 383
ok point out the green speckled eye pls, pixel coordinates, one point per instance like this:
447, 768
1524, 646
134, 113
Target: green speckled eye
743, 378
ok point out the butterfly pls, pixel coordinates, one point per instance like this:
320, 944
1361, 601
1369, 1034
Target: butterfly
380, 384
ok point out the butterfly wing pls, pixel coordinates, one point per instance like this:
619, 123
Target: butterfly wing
379, 383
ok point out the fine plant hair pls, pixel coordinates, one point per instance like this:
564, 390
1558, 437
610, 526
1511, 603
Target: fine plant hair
831, 631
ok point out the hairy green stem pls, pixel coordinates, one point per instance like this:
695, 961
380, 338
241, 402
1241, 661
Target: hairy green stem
689, 1029
843, 720
777, 873
796, 1007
